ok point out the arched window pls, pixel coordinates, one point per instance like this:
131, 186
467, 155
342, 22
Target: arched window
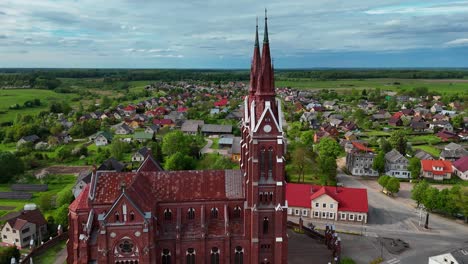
126, 247
191, 214
237, 212
260, 197
168, 214
265, 225
215, 255
190, 256
270, 162
132, 216
214, 213
262, 162
270, 196
239, 255
117, 217
166, 256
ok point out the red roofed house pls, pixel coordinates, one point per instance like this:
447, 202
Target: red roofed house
359, 160
327, 202
199, 216
27, 225
222, 102
436, 169
447, 136
460, 168
129, 110
163, 122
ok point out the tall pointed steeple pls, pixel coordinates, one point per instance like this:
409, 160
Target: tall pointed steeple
265, 86
255, 68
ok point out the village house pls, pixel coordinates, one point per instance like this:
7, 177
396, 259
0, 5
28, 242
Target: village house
235, 149
359, 160
460, 168
210, 129
192, 127
422, 155
396, 165
453, 151
129, 110
442, 124
28, 139
102, 138
123, 129
152, 129
436, 169
140, 154
24, 227
445, 135
327, 203
142, 136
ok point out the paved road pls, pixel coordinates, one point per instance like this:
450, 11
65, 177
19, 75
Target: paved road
207, 147
398, 218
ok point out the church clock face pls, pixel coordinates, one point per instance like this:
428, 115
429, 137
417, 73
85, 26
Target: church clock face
267, 128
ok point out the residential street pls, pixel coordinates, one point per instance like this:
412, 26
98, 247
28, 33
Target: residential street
396, 218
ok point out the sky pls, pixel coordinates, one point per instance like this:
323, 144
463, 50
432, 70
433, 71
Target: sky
220, 33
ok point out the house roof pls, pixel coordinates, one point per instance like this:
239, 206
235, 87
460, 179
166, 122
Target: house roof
32, 216
30, 138
454, 153
105, 134
149, 163
111, 164
359, 146
81, 202
393, 156
211, 128
222, 102
429, 165
226, 141
191, 125
444, 134
129, 108
349, 199
236, 146
165, 121
142, 135
421, 154
461, 164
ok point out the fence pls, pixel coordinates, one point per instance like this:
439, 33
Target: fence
44, 247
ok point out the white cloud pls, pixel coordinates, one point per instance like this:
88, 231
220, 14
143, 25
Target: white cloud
393, 22
458, 42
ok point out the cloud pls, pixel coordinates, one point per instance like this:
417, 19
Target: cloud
417, 9
3, 36
458, 42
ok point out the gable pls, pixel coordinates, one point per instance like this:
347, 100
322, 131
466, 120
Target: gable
268, 118
124, 207
324, 198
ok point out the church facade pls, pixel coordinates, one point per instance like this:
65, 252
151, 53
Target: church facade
210, 216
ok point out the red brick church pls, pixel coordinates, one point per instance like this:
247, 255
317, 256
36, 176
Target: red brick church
210, 216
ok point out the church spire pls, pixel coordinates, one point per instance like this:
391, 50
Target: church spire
265, 86
265, 36
255, 68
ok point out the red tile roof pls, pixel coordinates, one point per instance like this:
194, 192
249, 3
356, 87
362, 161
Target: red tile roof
129, 108
162, 121
429, 165
182, 109
81, 202
349, 199
32, 216
221, 102
447, 135
171, 185
361, 147
461, 164
397, 115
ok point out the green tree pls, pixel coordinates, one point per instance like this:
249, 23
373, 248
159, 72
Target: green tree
457, 121
419, 190
175, 142
179, 161
6, 253
327, 166
462, 201
64, 197
430, 198
393, 185
45, 202
11, 166
61, 216
398, 140
307, 138
414, 166
328, 147
385, 145
299, 161
383, 180
379, 162
119, 148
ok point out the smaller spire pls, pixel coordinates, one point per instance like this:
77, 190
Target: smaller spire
256, 34
265, 37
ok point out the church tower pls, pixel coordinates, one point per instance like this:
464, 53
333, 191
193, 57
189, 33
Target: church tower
262, 161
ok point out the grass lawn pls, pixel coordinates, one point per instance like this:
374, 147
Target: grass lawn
429, 149
10, 97
442, 86
426, 139
51, 254
215, 143
8, 147
311, 175
376, 133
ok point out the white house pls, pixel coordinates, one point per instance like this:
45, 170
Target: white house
396, 165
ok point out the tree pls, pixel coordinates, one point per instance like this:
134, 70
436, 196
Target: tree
399, 141
393, 185
61, 216
379, 162
383, 180
419, 190
6, 253
328, 147
385, 145
179, 161
64, 197
175, 142
462, 201
414, 166
327, 165
307, 138
45, 202
299, 161
431, 195
119, 148
11, 166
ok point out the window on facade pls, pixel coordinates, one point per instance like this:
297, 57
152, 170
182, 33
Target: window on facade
351, 217
270, 196
215, 255
166, 256
8, 229
324, 214
132, 216
239, 255
5, 237
316, 214
26, 239
262, 162
126, 247
317, 204
304, 212
117, 217
214, 213
331, 215
270, 163
260, 195
359, 217
343, 216
296, 211
265, 225
331, 206
25, 230
191, 214
190, 256
237, 212
167, 215
324, 205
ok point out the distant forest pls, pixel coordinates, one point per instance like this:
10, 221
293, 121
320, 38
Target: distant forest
50, 78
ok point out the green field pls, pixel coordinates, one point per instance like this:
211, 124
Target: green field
442, 86
50, 255
429, 149
19, 96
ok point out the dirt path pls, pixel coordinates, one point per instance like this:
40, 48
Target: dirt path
61, 256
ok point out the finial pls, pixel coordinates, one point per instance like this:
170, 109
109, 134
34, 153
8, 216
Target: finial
265, 37
265, 13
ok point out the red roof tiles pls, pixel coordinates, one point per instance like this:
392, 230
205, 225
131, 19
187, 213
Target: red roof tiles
361, 147
349, 199
81, 202
461, 164
431, 165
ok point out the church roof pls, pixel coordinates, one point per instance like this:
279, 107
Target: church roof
81, 202
171, 186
